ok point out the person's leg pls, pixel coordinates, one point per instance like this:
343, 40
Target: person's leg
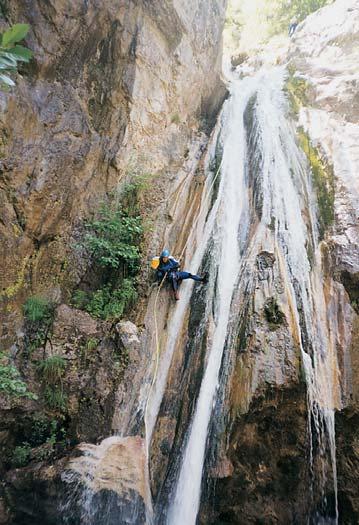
175, 283
173, 279
187, 275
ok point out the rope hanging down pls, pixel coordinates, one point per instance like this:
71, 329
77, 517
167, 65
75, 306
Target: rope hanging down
158, 350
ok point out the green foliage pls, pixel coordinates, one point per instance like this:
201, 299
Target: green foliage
53, 368
21, 455
38, 313
297, 90
132, 191
45, 431
323, 182
11, 52
112, 238
37, 309
92, 343
55, 398
10, 383
106, 303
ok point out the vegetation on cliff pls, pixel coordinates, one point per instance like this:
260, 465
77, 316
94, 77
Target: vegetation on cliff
11, 53
11, 384
112, 240
38, 313
323, 182
297, 90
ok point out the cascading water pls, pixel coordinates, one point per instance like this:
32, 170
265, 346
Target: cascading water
264, 199
264, 174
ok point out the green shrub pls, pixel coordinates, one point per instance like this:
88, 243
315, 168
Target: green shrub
10, 382
44, 430
297, 89
37, 309
80, 299
11, 52
111, 304
55, 398
38, 313
131, 193
21, 455
53, 368
92, 343
112, 239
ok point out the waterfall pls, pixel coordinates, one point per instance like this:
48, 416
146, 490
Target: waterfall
265, 175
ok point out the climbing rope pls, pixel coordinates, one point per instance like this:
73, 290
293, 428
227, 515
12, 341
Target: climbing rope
158, 350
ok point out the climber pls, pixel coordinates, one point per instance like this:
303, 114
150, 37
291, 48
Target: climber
292, 26
167, 266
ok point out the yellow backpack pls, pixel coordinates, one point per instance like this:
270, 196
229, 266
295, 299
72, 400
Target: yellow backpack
155, 262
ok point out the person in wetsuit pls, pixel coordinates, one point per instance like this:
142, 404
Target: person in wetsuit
170, 268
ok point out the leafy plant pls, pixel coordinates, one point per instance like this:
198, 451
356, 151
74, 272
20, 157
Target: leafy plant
38, 313
132, 191
92, 343
112, 238
175, 119
37, 309
21, 455
55, 398
111, 304
11, 53
297, 89
10, 382
44, 431
53, 368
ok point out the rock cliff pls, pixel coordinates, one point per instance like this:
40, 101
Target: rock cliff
113, 87
324, 53
111, 83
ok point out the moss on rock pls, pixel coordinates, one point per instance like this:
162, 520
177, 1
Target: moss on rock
323, 182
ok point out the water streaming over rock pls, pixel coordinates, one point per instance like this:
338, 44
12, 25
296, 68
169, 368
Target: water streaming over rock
264, 209
265, 175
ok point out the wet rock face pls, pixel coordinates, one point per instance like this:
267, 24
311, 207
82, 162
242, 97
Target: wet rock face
347, 424
109, 80
262, 476
94, 363
106, 483
326, 58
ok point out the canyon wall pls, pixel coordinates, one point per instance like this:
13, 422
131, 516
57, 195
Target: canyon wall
114, 88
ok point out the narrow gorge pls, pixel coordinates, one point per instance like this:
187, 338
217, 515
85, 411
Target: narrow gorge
132, 130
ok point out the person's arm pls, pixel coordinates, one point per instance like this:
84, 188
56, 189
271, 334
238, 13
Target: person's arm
174, 263
159, 275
